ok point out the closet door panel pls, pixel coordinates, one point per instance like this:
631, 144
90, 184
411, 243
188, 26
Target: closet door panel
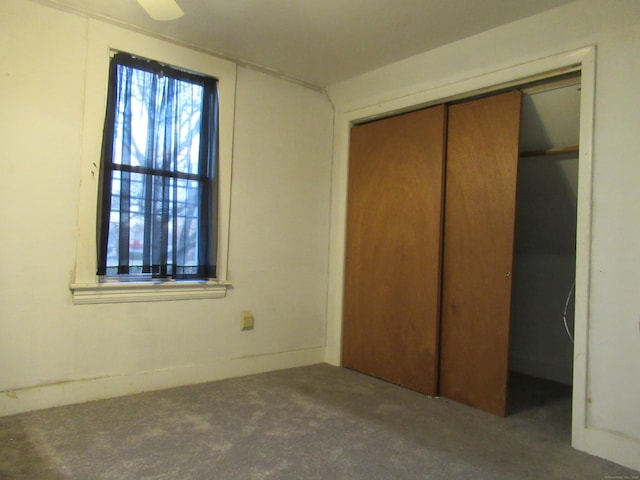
393, 249
482, 160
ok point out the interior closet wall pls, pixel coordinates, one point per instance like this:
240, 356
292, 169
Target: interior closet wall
544, 267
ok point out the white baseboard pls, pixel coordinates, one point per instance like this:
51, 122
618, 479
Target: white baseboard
84, 390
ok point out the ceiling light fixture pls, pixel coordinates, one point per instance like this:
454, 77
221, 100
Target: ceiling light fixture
162, 10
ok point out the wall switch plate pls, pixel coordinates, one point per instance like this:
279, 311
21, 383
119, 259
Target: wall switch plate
246, 320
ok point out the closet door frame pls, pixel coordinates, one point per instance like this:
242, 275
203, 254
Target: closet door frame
582, 60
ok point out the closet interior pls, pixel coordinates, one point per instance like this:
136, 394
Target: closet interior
460, 250
545, 246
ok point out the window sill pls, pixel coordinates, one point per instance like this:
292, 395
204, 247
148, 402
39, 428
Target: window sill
125, 292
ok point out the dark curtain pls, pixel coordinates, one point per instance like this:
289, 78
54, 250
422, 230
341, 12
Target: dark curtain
158, 172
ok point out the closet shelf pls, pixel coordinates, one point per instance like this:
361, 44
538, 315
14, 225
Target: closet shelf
550, 151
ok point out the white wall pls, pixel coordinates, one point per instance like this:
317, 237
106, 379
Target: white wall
53, 352
610, 426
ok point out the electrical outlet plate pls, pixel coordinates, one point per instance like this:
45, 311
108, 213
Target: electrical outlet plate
246, 320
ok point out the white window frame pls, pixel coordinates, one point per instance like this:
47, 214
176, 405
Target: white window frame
102, 40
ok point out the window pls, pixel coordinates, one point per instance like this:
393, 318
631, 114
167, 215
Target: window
158, 180
86, 286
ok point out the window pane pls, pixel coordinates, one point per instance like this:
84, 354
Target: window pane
161, 178
157, 122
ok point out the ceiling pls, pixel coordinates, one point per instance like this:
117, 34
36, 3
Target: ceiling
318, 42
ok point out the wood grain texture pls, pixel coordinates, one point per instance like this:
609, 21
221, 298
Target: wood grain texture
481, 173
393, 249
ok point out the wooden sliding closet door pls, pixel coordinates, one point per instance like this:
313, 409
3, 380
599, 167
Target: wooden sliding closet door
482, 160
393, 249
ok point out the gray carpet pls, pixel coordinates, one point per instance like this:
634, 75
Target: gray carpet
317, 422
